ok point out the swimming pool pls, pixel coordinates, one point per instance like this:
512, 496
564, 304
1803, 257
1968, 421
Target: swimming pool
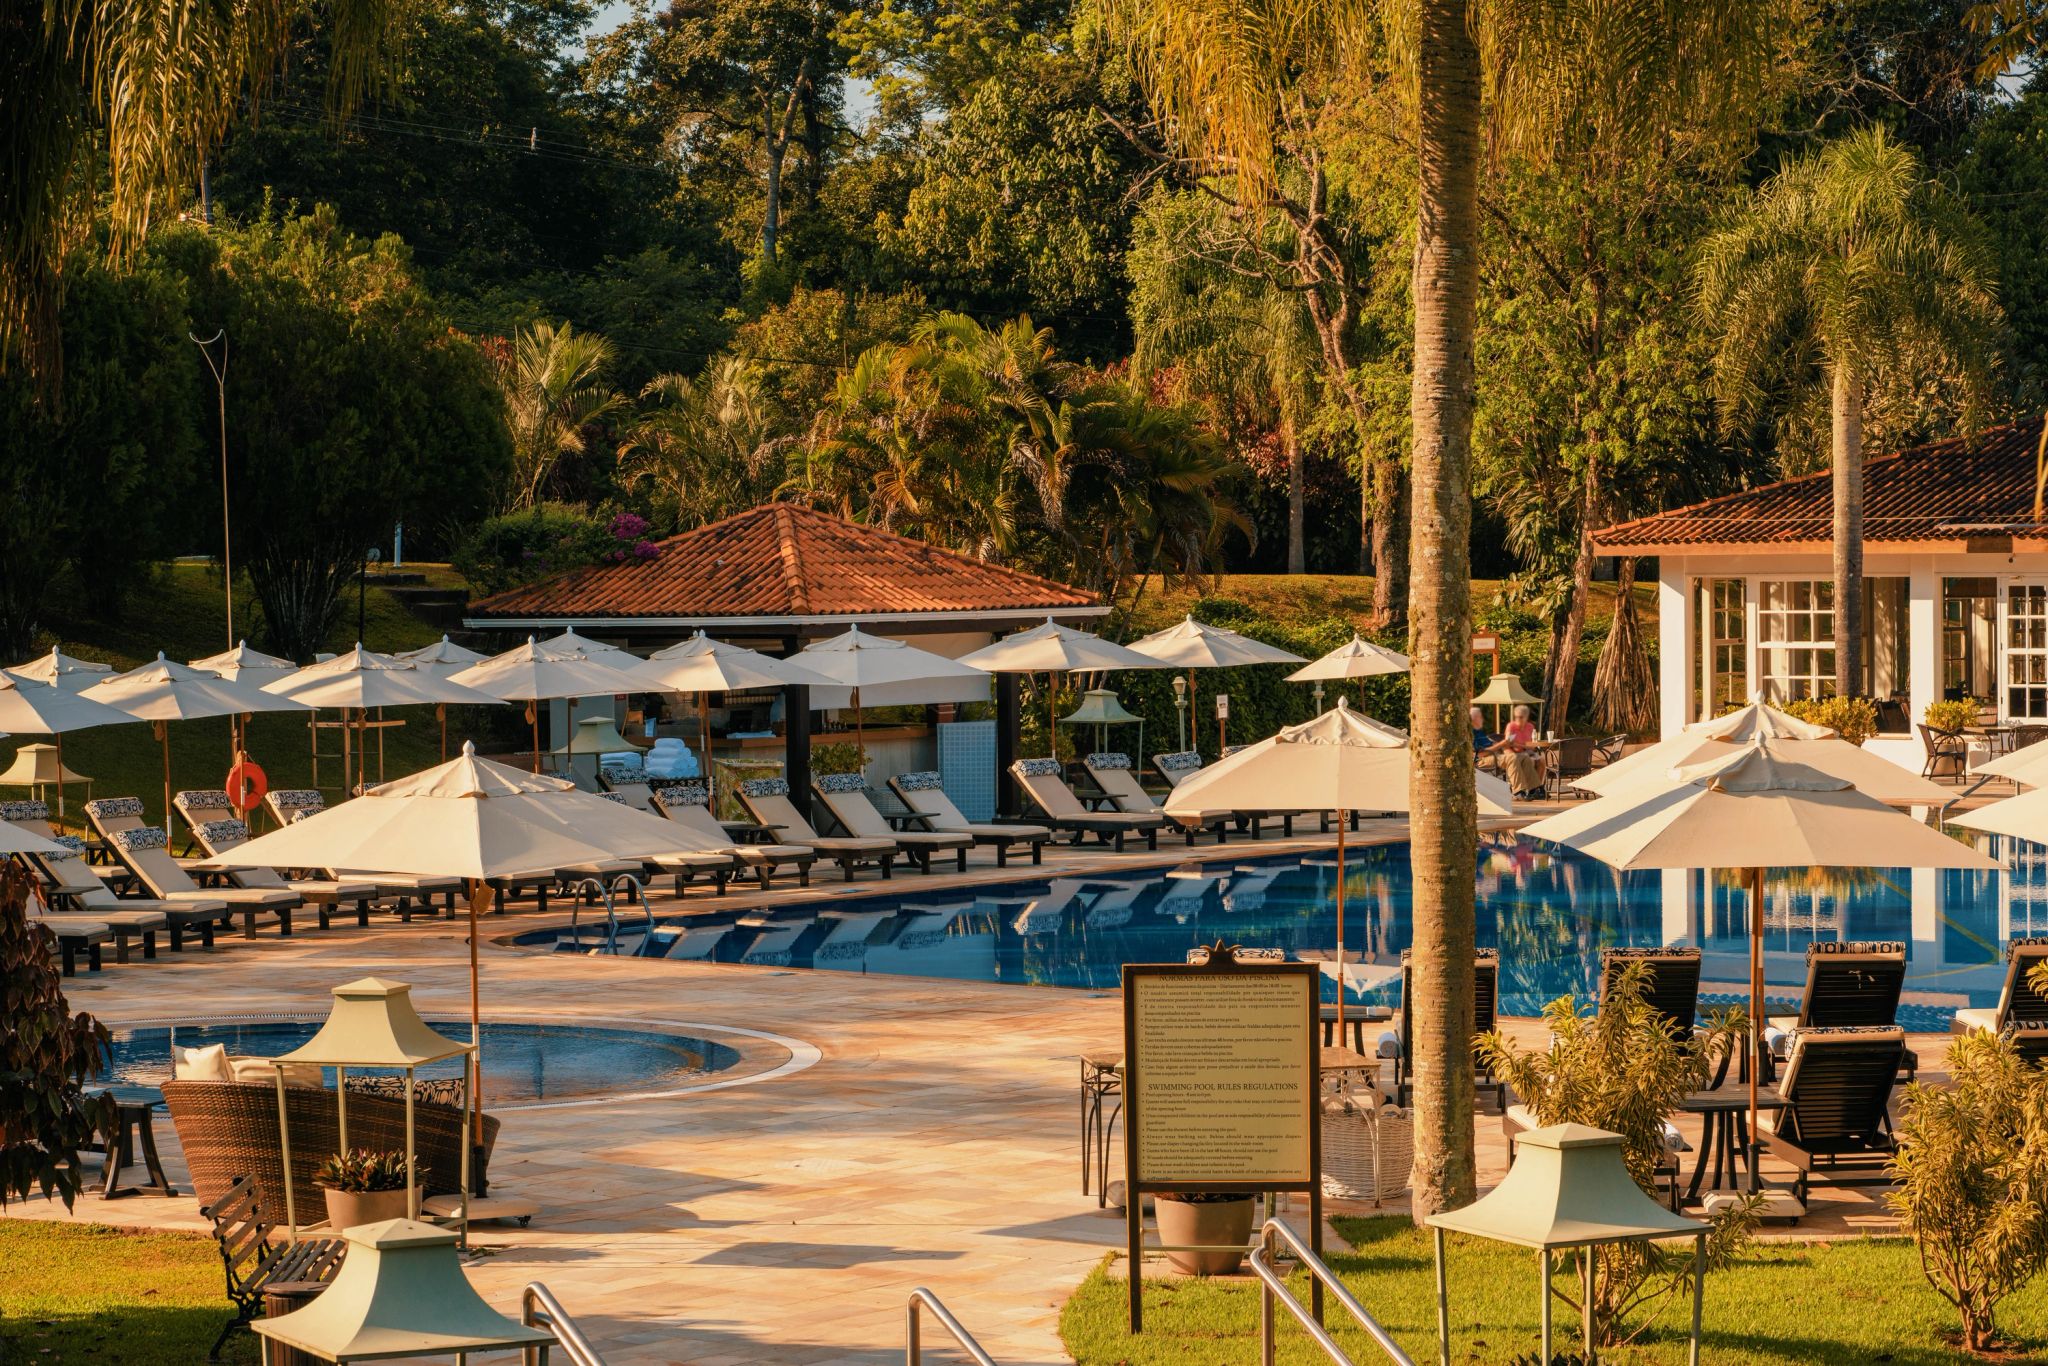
522, 1062
1549, 912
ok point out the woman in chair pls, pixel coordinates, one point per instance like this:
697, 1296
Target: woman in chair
1527, 766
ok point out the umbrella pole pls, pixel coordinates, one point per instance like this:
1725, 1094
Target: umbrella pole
478, 893
1756, 1008
163, 733
533, 715
1052, 742
704, 745
344, 754
441, 714
1195, 718
1340, 929
60, 778
860, 741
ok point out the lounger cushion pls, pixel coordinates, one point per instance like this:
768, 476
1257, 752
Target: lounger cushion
265, 1071
1978, 1017
201, 1064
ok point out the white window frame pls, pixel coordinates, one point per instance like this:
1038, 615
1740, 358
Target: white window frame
2008, 653
1821, 682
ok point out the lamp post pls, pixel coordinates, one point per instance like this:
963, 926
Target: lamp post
220, 383
1317, 693
1180, 709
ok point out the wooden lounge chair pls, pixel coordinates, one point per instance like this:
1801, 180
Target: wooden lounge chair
217, 830
255, 1259
767, 800
629, 785
2018, 1002
926, 797
846, 796
1184, 764
1485, 1004
1112, 773
289, 804
688, 804
77, 935
74, 887
1834, 1129
1674, 987
1848, 983
1042, 782
144, 851
685, 866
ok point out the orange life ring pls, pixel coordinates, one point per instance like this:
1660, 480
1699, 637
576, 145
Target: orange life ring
246, 785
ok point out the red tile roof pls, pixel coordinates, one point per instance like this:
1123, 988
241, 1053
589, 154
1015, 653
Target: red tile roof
783, 560
1940, 496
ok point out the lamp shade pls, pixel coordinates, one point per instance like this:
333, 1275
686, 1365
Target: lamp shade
35, 765
400, 1293
374, 1024
595, 735
1099, 707
1506, 690
1569, 1187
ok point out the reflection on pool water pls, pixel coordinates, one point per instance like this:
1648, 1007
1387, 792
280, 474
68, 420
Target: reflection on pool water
522, 1062
1549, 912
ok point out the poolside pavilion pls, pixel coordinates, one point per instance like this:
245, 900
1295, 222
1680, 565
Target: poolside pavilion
777, 577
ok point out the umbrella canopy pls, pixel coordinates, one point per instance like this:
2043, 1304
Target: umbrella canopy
444, 656
2028, 766
1758, 721
60, 670
1192, 645
569, 643
1356, 658
1053, 648
1785, 737
28, 708
1341, 760
15, 840
701, 664
889, 673
363, 678
533, 673
243, 664
2023, 817
164, 690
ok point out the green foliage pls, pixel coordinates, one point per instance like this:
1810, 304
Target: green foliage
845, 757
552, 381
359, 1171
1623, 1069
46, 1055
1853, 718
539, 541
1972, 1168
1951, 716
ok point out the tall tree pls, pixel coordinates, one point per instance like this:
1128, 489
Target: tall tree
1849, 264
553, 382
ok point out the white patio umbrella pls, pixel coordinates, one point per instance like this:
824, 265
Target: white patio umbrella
60, 670
361, 680
28, 708
704, 666
1341, 761
164, 691
532, 673
569, 643
1193, 645
890, 673
2023, 817
1056, 649
1752, 810
1355, 658
243, 665
444, 656
2028, 767
1786, 737
473, 819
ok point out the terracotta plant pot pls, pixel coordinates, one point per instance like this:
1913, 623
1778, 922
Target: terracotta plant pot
1209, 1221
350, 1209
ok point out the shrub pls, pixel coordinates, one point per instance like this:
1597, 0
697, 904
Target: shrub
1951, 715
1622, 1069
1853, 718
532, 543
360, 1170
837, 758
1972, 1169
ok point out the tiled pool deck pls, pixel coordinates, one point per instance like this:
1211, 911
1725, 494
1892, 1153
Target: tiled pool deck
933, 1142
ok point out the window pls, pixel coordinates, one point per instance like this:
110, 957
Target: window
1729, 641
1795, 624
2026, 651
1887, 642
1969, 637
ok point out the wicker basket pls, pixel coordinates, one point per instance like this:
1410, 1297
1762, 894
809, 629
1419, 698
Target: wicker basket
1368, 1149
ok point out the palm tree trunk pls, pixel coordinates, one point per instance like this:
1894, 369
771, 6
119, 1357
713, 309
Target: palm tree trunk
1297, 500
1390, 534
1564, 677
1444, 820
1846, 399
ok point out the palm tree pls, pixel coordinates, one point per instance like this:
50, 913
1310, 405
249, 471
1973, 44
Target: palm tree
1549, 70
1853, 254
553, 383
709, 446
113, 105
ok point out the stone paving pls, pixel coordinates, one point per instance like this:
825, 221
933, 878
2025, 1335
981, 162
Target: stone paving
932, 1142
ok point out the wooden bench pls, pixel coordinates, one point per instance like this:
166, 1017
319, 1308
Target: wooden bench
254, 1262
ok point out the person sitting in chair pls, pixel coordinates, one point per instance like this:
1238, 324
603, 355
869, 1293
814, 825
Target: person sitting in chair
1526, 766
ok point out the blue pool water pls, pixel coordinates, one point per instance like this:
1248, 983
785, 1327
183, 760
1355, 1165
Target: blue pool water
522, 1062
1550, 913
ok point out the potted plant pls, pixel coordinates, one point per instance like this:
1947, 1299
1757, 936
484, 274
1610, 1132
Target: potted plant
364, 1187
1951, 716
1214, 1217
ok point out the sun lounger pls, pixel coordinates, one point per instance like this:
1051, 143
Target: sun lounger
684, 866
1485, 1003
767, 799
926, 797
1184, 764
1848, 984
1112, 773
144, 851
75, 935
2018, 1002
289, 804
1042, 782
217, 830
629, 785
846, 796
1834, 1128
1674, 985
72, 886
688, 804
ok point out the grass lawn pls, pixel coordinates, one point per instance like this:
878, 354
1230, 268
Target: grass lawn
1807, 1303
89, 1293
1286, 596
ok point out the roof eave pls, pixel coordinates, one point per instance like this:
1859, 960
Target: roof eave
1922, 546
954, 616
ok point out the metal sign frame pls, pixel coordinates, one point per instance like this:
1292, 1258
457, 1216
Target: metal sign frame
1222, 961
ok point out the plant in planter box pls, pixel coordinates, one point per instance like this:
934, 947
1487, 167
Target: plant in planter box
364, 1187
1950, 716
1222, 1218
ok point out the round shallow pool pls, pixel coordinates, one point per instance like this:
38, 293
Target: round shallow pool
522, 1062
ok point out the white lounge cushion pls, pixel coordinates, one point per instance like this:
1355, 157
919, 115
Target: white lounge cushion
209, 1063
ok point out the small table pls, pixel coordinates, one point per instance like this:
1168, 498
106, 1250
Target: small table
1726, 1114
1356, 1018
135, 1110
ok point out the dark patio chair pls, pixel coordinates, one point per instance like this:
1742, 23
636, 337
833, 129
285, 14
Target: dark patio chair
1835, 1129
1609, 749
1569, 762
1674, 987
1947, 752
1848, 985
1485, 1001
2018, 1002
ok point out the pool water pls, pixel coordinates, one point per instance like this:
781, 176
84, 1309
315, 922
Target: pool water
522, 1062
1549, 913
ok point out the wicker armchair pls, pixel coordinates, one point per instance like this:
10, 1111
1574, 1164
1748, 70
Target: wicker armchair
228, 1130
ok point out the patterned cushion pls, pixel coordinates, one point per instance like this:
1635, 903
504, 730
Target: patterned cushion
1107, 759
71, 842
1822, 949
140, 838
1179, 760
1199, 955
839, 953
107, 808
429, 1090
24, 811
1478, 956
1680, 954
919, 782
217, 833
765, 787
205, 801
1039, 768
2036, 943
841, 782
685, 792
619, 773
298, 799
612, 797
1229, 750
1852, 1031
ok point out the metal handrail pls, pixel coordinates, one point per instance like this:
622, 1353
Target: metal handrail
1272, 1285
611, 913
922, 1299
538, 1308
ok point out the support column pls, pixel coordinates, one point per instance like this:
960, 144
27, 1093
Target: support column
1009, 733
1923, 635
1676, 630
796, 746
